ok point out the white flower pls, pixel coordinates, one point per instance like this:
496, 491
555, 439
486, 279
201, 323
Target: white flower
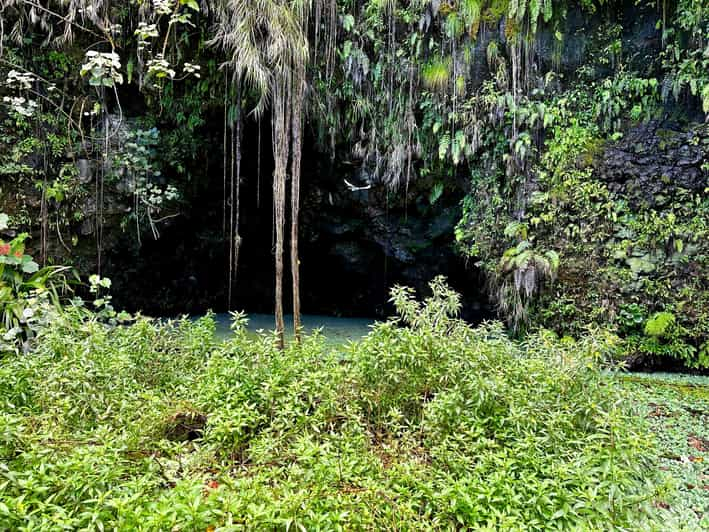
160, 68
163, 7
103, 67
144, 32
20, 80
190, 68
21, 105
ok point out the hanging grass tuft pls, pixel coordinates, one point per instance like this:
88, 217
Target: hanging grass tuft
436, 74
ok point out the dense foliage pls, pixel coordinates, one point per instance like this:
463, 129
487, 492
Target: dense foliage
29, 296
520, 100
426, 423
572, 131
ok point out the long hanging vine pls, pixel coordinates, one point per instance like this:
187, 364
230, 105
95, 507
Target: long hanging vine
225, 152
298, 96
281, 148
234, 237
267, 47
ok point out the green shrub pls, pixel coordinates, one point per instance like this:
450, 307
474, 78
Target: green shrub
427, 423
29, 296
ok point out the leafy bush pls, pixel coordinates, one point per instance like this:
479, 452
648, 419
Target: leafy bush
425, 424
663, 335
28, 295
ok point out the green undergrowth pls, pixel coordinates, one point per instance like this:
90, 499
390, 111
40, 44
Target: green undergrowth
427, 423
677, 410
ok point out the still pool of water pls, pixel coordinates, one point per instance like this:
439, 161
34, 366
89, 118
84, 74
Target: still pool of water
336, 330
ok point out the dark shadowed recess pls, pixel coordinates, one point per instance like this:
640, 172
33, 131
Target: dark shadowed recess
355, 245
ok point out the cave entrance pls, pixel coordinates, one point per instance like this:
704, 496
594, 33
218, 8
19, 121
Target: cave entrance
354, 245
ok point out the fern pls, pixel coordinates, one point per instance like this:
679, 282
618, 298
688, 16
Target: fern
535, 8
458, 146
554, 261
518, 9
493, 53
460, 86
443, 145
512, 8
532, 10
470, 11
660, 324
516, 230
521, 274
454, 25
436, 193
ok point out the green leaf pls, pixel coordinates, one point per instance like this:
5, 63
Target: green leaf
348, 22
436, 193
558, 514
130, 66
192, 4
443, 146
640, 265
30, 267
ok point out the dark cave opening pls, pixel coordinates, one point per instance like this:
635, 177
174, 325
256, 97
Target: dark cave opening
354, 246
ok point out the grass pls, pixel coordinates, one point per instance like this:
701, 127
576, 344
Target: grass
425, 424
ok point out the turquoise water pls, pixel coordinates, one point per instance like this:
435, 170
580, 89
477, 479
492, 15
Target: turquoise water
336, 330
